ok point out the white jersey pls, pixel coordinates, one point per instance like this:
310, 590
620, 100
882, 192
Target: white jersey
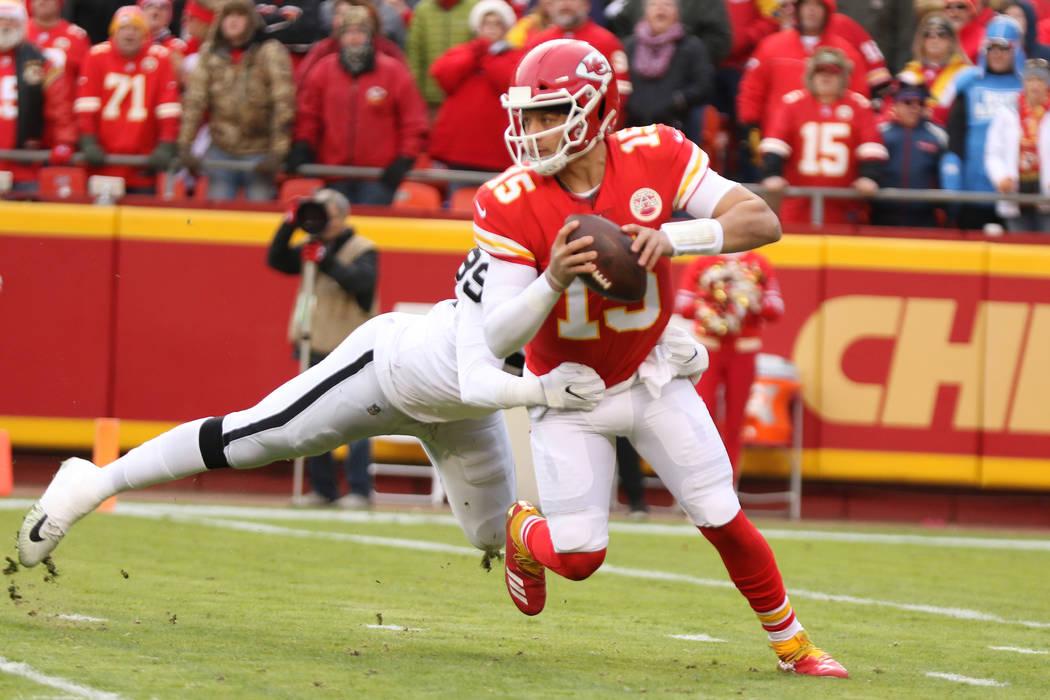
422, 363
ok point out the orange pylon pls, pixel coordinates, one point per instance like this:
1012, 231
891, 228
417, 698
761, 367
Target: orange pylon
107, 449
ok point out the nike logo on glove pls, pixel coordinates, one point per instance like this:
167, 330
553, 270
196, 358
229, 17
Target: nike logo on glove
34, 534
570, 392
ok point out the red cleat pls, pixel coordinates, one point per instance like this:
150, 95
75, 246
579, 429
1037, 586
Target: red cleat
799, 655
526, 577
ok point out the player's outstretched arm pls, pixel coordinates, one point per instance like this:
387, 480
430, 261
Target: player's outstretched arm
483, 382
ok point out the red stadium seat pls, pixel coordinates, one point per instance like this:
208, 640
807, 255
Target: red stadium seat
299, 187
60, 182
462, 201
416, 196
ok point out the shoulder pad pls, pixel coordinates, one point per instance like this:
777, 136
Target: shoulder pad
104, 47
158, 51
793, 96
858, 98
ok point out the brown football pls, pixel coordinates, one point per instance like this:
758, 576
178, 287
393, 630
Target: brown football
619, 276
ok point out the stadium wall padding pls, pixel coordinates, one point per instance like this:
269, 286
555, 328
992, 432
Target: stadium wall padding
923, 360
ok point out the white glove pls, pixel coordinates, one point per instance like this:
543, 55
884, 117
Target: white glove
687, 357
572, 386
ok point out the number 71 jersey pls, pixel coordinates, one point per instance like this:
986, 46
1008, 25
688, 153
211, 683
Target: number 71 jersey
128, 103
650, 172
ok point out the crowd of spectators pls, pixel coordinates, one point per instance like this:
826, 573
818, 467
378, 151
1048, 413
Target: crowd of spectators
274, 85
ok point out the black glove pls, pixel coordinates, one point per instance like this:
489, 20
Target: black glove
395, 172
269, 165
162, 155
94, 155
300, 154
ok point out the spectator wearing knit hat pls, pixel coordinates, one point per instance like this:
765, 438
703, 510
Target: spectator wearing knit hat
468, 129
330, 44
243, 83
64, 43
42, 114
114, 117
359, 107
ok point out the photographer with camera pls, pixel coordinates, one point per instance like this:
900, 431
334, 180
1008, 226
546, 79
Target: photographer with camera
338, 292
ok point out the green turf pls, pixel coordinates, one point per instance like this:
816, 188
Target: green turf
200, 609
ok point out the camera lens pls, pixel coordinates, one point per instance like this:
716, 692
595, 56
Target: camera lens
311, 217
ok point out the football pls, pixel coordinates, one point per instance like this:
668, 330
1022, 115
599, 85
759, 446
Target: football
619, 276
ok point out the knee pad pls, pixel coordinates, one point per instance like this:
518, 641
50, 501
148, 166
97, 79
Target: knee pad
577, 566
585, 530
709, 499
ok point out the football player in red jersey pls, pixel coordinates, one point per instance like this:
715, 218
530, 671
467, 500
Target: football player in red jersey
35, 100
824, 136
128, 101
562, 104
64, 43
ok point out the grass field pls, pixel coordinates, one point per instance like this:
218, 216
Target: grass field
162, 601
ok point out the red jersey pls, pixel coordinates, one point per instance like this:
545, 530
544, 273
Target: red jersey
55, 109
129, 104
650, 172
777, 67
65, 45
823, 145
600, 38
873, 63
750, 21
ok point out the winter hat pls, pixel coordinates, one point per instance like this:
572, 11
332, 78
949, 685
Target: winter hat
12, 9
357, 16
129, 14
1037, 68
484, 7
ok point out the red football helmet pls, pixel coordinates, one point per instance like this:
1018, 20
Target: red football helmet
563, 74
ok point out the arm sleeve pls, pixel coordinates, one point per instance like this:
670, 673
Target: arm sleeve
516, 302
957, 127
280, 257
482, 381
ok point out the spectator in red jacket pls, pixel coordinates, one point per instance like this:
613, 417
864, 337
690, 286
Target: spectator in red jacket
468, 129
362, 108
824, 136
330, 44
42, 114
729, 299
128, 102
64, 43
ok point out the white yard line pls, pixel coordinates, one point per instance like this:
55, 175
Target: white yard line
1020, 650
423, 545
17, 668
956, 678
695, 637
80, 618
395, 628
683, 530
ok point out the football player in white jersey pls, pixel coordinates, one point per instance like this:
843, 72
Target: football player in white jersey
431, 376
562, 107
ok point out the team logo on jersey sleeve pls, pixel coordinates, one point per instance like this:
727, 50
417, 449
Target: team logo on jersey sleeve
844, 113
33, 72
149, 64
646, 204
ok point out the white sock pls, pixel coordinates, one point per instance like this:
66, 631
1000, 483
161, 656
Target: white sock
167, 457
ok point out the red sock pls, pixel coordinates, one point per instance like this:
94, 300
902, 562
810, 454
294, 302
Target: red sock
572, 565
750, 562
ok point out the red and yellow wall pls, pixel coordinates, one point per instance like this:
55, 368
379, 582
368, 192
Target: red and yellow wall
923, 361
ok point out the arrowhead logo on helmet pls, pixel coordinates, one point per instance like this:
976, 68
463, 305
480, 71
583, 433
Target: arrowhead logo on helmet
566, 76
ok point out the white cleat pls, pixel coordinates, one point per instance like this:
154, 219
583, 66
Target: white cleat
48, 520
